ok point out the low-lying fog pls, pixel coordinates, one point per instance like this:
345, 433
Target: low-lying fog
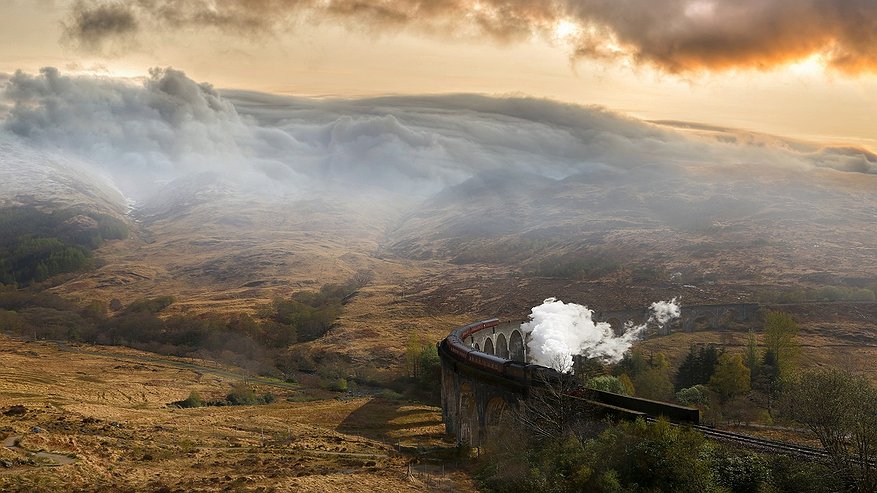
446, 165
146, 133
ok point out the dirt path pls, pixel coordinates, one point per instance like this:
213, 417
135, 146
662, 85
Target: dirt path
58, 459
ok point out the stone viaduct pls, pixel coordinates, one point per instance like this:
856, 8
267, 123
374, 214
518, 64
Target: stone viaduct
485, 368
475, 396
505, 340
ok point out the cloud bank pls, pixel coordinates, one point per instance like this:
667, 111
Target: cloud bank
677, 36
148, 132
152, 132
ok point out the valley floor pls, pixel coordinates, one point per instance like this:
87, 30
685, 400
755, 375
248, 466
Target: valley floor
99, 419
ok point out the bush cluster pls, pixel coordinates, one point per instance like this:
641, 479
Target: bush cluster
36, 245
239, 339
585, 264
240, 395
642, 457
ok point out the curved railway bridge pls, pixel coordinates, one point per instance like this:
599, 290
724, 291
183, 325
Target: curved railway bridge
477, 388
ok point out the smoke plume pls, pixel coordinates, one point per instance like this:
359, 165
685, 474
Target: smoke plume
674, 35
559, 330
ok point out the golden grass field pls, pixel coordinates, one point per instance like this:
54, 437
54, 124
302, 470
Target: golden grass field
103, 416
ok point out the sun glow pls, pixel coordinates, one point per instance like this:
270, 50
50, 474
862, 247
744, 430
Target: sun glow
565, 30
811, 66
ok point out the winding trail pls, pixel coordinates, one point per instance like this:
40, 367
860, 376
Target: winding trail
59, 459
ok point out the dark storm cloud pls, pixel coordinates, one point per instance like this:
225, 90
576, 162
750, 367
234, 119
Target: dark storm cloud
674, 35
690, 35
90, 25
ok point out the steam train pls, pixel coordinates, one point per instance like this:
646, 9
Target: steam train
524, 375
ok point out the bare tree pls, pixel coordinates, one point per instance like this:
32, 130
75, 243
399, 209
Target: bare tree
841, 410
361, 278
553, 407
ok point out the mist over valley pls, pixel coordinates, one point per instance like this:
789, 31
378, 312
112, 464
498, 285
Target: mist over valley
316, 249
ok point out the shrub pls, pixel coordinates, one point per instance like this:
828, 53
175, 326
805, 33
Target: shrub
697, 395
656, 457
607, 383
339, 385
742, 473
241, 395
430, 375
150, 305
194, 400
391, 395
791, 475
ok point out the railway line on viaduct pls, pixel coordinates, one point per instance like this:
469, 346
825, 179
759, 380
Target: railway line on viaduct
485, 374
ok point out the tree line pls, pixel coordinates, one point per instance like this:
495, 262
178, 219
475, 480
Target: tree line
257, 343
36, 244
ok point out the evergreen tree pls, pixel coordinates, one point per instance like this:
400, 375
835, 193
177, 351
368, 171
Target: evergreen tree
768, 381
698, 366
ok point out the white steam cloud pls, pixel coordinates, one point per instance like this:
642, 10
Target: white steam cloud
663, 312
559, 330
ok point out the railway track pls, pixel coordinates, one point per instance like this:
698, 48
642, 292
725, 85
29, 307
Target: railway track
761, 444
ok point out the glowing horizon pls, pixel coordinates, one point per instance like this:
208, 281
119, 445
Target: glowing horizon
812, 94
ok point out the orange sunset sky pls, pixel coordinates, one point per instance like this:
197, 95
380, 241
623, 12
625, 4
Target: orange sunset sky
798, 68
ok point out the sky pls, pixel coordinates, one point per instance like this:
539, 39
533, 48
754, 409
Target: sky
796, 68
